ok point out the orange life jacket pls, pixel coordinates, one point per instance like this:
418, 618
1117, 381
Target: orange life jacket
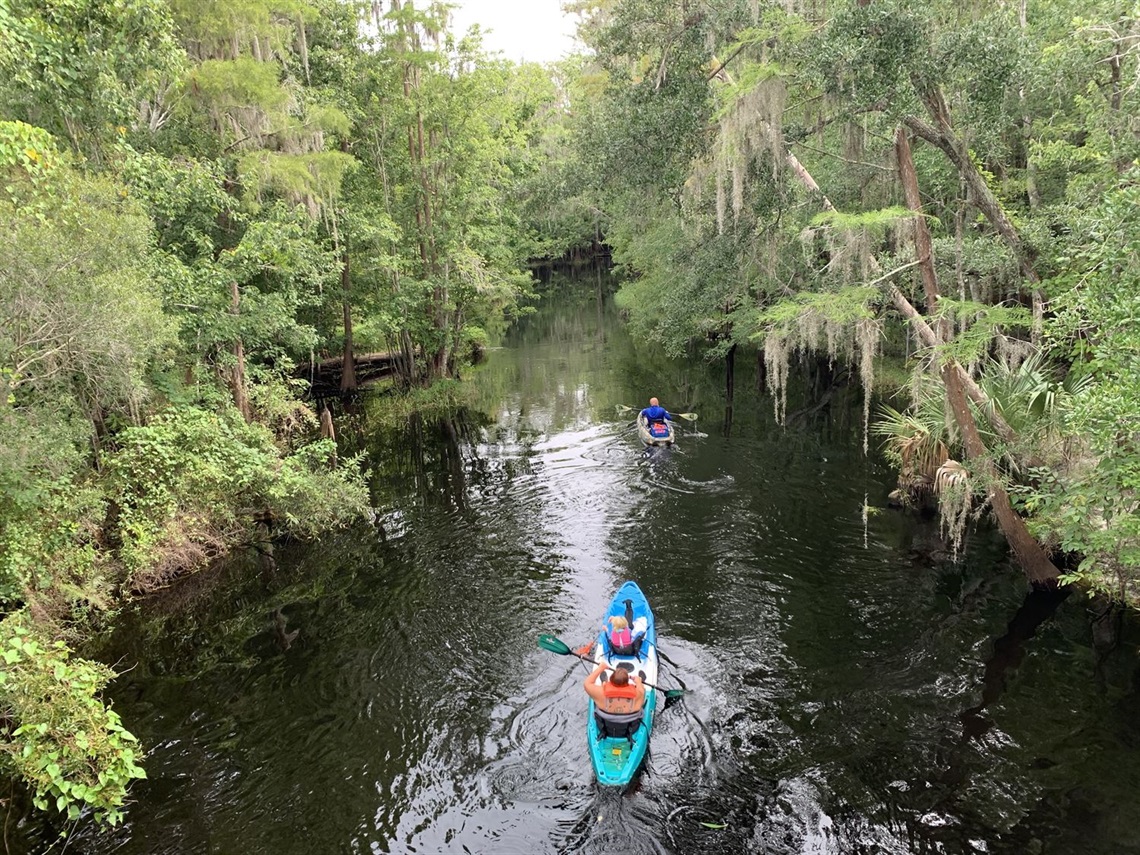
609, 690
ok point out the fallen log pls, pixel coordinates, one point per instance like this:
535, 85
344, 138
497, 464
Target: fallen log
325, 374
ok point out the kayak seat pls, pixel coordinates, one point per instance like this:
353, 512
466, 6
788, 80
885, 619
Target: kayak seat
626, 666
617, 725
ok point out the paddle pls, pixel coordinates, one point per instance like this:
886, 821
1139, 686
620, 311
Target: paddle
557, 645
692, 417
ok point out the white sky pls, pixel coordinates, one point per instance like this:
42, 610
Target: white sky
523, 30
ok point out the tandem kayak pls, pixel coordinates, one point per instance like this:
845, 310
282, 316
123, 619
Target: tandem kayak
658, 433
616, 759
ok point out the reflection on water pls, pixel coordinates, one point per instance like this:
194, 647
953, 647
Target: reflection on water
851, 688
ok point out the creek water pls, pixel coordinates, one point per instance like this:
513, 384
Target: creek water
852, 685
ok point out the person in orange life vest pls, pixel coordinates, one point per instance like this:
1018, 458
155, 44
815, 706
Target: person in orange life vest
619, 694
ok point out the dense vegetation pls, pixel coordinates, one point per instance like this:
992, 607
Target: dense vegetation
952, 183
200, 200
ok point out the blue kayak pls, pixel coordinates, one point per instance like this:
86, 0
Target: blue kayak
616, 759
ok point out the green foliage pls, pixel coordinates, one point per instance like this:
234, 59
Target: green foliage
878, 220
916, 440
314, 179
187, 482
442, 399
215, 23
186, 200
1029, 395
832, 309
866, 51
231, 87
80, 318
27, 158
977, 325
70, 749
80, 67
49, 555
673, 302
752, 76
1094, 504
434, 233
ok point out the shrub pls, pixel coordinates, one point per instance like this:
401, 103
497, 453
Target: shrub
190, 483
59, 737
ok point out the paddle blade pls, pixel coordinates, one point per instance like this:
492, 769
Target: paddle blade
622, 408
675, 693
554, 645
691, 417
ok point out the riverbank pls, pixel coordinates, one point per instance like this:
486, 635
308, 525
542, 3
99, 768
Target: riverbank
165, 500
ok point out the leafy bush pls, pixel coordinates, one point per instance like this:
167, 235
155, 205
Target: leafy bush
50, 555
59, 737
189, 484
1093, 506
50, 513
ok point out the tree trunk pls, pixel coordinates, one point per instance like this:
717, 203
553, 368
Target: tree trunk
972, 389
943, 136
407, 357
348, 366
805, 178
729, 387
923, 249
924, 330
1038, 568
1036, 564
328, 430
237, 376
1027, 124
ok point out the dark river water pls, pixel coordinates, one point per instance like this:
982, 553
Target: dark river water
853, 687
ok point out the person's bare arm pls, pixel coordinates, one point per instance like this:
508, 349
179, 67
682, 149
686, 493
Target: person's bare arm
592, 687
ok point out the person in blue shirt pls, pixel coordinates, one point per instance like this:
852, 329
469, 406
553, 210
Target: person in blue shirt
656, 413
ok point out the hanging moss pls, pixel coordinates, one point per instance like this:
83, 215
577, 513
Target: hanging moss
841, 323
749, 131
313, 179
955, 499
242, 96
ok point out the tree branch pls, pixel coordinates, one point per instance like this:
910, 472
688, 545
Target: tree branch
721, 67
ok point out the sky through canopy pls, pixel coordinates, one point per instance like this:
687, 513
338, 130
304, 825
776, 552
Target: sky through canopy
523, 30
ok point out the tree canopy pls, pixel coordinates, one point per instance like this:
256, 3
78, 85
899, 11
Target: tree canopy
204, 201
